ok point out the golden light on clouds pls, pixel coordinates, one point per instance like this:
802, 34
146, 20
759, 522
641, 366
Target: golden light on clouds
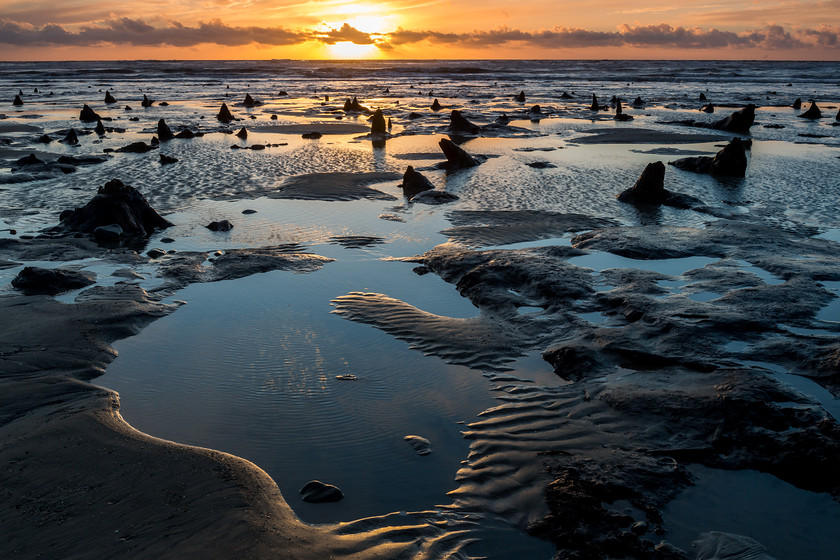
259, 29
353, 30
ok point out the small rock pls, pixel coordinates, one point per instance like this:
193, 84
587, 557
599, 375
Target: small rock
109, 98
317, 492
347, 377
519, 97
108, 234
50, 281
738, 122
82, 160
100, 129
377, 123
434, 197
249, 211
414, 182
812, 113
436, 106
243, 133
31, 159
221, 225
146, 101
88, 115
620, 115
456, 156
18, 101
155, 253
458, 123
71, 138
167, 160
224, 114
311, 135
164, 132
355, 107
649, 188
115, 203
136, 148
420, 444
731, 160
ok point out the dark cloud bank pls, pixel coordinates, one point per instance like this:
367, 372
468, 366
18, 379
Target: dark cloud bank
126, 31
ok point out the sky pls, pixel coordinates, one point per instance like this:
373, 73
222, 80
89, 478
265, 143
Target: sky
419, 29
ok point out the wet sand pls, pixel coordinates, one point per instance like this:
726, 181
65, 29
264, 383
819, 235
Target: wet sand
665, 326
74, 467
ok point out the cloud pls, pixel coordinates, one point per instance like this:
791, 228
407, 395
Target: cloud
136, 32
824, 36
127, 31
772, 37
346, 33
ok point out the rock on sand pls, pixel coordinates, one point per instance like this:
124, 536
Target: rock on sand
649, 187
224, 114
414, 183
50, 281
115, 203
318, 492
420, 444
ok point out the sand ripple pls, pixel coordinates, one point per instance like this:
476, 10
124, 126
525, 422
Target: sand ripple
476, 342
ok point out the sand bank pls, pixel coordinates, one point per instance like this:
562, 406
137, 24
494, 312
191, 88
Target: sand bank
645, 136
324, 128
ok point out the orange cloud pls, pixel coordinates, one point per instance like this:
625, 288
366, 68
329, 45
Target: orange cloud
139, 33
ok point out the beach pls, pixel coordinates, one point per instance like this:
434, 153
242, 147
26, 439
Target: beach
494, 358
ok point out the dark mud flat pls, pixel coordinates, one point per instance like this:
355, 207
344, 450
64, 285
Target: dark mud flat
335, 187
654, 388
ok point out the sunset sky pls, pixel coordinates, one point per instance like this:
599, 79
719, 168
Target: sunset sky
300, 29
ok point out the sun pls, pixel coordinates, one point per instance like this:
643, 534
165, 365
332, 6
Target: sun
354, 26
348, 50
